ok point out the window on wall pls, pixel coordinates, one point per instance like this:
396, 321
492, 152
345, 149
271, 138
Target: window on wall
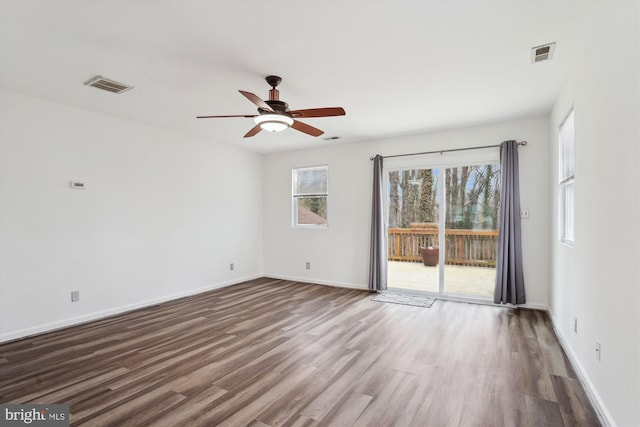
567, 169
310, 195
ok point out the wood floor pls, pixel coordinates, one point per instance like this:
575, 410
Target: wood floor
271, 352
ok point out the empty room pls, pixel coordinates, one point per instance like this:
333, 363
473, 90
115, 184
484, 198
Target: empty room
319, 213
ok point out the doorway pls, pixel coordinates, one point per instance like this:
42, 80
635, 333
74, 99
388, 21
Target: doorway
442, 228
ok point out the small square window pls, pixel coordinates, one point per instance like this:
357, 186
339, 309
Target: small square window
310, 196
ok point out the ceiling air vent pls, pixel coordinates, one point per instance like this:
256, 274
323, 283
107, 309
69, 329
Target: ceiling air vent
542, 53
108, 85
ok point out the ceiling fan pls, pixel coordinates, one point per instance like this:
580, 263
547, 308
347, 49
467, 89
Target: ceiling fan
274, 115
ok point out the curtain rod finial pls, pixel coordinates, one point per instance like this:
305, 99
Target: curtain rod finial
523, 143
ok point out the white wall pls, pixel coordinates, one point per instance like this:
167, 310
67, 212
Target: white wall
163, 215
339, 255
597, 281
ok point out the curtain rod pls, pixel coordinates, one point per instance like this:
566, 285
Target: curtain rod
523, 143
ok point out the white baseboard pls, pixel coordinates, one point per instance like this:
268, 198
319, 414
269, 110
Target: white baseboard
592, 393
72, 321
535, 306
318, 282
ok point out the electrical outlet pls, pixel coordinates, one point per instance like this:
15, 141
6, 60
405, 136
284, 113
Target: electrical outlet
598, 350
524, 213
575, 325
232, 266
75, 296
308, 265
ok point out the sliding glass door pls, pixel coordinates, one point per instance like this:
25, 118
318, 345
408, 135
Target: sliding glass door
442, 228
413, 223
471, 229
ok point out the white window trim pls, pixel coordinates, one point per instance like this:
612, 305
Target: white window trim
566, 181
294, 196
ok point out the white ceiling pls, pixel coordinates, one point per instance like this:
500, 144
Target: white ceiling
397, 67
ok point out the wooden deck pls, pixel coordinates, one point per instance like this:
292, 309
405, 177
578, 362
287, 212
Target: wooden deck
460, 280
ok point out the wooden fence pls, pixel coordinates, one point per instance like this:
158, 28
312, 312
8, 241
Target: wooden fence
462, 247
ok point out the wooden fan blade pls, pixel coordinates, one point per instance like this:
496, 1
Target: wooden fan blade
222, 117
256, 100
254, 130
305, 128
319, 112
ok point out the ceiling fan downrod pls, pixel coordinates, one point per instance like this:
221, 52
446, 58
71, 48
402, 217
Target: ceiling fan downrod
273, 81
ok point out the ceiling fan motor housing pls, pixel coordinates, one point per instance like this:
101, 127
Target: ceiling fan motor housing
280, 107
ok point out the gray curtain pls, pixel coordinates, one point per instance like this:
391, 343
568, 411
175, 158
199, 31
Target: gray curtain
509, 275
378, 251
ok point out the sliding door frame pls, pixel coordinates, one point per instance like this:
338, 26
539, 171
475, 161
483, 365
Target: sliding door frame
442, 162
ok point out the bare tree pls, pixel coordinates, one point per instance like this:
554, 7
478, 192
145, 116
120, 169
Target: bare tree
394, 199
426, 196
472, 197
495, 202
453, 197
488, 220
404, 208
414, 197
462, 207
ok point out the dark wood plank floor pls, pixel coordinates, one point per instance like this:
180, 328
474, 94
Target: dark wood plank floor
271, 352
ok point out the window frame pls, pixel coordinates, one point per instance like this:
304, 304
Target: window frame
566, 179
296, 196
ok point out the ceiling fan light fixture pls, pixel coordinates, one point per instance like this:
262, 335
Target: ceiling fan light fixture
274, 115
273, 122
